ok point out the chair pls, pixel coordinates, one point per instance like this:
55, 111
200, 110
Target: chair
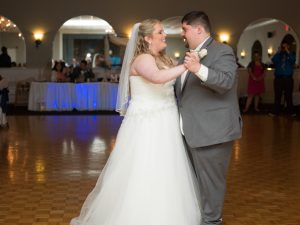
22, 93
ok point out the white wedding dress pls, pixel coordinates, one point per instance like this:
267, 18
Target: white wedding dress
148, 179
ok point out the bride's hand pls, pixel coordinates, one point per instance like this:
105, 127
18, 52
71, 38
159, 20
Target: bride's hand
191, 62
195, 55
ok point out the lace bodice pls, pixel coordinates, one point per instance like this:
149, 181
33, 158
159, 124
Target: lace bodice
146, 96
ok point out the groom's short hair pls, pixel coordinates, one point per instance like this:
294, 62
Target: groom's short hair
196, 18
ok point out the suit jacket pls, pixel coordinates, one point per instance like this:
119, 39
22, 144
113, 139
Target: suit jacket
210, 111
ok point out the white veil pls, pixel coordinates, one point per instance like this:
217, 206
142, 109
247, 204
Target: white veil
123, 89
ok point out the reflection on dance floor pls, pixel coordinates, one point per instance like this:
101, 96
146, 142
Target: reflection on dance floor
48, 164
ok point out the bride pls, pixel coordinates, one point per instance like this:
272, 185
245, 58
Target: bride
148, 179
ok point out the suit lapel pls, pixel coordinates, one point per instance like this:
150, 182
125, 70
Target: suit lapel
185, 80
205, 45
178, 83
177, 86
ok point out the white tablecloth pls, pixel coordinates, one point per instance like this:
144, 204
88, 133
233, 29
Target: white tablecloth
69, 96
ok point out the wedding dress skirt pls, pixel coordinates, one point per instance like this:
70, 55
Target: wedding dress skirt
148, 179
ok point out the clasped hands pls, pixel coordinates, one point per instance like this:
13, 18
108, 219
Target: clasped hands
192, 62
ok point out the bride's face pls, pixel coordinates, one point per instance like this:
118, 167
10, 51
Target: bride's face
157, 39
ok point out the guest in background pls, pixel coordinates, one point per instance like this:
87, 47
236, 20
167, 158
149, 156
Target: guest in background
98, 58
58, 72
238, 63
68, 72
100, 67
82, 73
256, 83
115, 63
284, 62
3, 102
5, 60
75, 63
114, 77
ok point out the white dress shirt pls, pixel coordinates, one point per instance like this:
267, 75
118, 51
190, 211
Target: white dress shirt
202, 74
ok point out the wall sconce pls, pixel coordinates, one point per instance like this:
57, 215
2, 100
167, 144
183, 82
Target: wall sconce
128, 32
224, 38
177, 55
38, 37
270, 51
243, 54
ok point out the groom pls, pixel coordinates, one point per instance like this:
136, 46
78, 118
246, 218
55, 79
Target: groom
209, 113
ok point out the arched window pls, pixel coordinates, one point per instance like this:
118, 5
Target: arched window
12, 38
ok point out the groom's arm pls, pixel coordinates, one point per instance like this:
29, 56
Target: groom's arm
221, 75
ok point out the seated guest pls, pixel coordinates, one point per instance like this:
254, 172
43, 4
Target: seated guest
5, 60
82, 73
3, 102
68, 70
114, 77
58, 72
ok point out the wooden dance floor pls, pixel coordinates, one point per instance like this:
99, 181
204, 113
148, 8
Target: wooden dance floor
48, 164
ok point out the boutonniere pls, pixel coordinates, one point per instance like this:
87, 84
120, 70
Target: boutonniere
202, 53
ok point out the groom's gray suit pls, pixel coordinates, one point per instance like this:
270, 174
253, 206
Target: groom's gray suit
211, 121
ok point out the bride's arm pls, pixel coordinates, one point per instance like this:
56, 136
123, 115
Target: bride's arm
145, 66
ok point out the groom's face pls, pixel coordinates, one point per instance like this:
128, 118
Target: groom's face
190, 35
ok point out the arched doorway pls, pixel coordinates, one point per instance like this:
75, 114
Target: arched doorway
175, 45
82, 38
270, 33
12, 38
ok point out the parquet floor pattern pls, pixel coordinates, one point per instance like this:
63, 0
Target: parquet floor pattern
48, 165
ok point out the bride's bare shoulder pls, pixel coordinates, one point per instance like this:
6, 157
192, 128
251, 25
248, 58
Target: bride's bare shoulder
143, 57
142, 61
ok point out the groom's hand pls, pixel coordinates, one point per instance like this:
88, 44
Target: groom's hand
192, 62
193, 54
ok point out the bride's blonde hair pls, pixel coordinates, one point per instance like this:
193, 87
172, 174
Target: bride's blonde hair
146, 28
